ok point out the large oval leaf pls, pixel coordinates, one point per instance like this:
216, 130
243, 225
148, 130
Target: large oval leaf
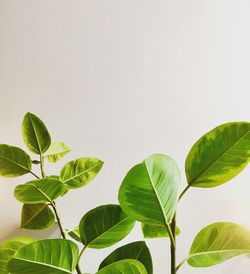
156, 231
39, 191
57, 151
45, 257
13, 161
124, 267
35, 134
137, 250
219, 155
104, 226
8, 248
37, 216
217, 243
78, 173
149, 192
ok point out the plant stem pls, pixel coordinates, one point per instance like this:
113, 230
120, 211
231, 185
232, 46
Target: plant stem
184, 191
79, 257
180, 264
42, 165
173, 246
34, 174
53, 204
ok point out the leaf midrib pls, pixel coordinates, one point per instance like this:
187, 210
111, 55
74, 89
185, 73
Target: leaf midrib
35, 215
44, 264
217, 158
218, 251
34, 129
81, 173
16, 163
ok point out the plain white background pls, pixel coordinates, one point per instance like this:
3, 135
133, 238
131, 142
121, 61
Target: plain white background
120, 80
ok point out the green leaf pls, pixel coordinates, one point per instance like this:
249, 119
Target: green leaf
78, 173
45, 257
13, 161
57, 151
156, 231
149, 192
37, 216
35, 134
124, 267
75, 234
217, 243
219, 155
137, 250
8, 248
104, 226
39, 191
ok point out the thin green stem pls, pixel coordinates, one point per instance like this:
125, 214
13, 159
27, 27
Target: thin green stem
171, 236
34, 174
42, 165
180, 264
53, 204
173, 247
184, 191
79, 258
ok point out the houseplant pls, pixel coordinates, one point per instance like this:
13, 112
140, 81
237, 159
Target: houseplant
149, 193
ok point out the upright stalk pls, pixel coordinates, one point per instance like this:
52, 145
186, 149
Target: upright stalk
58, 219
173, 246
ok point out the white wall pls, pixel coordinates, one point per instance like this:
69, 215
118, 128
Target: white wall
121, 80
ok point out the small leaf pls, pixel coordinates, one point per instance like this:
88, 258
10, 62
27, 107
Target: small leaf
104, 226
217, 243
219, 155
35, 134
75, 234
45, 257
37, 216
39, 191
78, 173
8, 248
124, 267
156, 231
57, 151
13, 161
149, 192
137, 250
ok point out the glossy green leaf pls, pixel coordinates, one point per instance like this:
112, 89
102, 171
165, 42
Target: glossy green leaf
149, 192
39, 191
124, 267
55, 256
219, 155
156, 231
35, 134
217, 243
57, 151
8, 248
78, 173
13, 161
104, 226
37, 216
137, 250
75, 234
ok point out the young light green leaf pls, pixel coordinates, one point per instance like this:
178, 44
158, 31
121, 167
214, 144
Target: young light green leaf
156, 231
124, 267
8, 248
75, 234
35, 134
149, 192
78, 173
37, 216
137, 250
45, 257
39, 191
104, 226
57, 151
13, 161
217, 243
219, 155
